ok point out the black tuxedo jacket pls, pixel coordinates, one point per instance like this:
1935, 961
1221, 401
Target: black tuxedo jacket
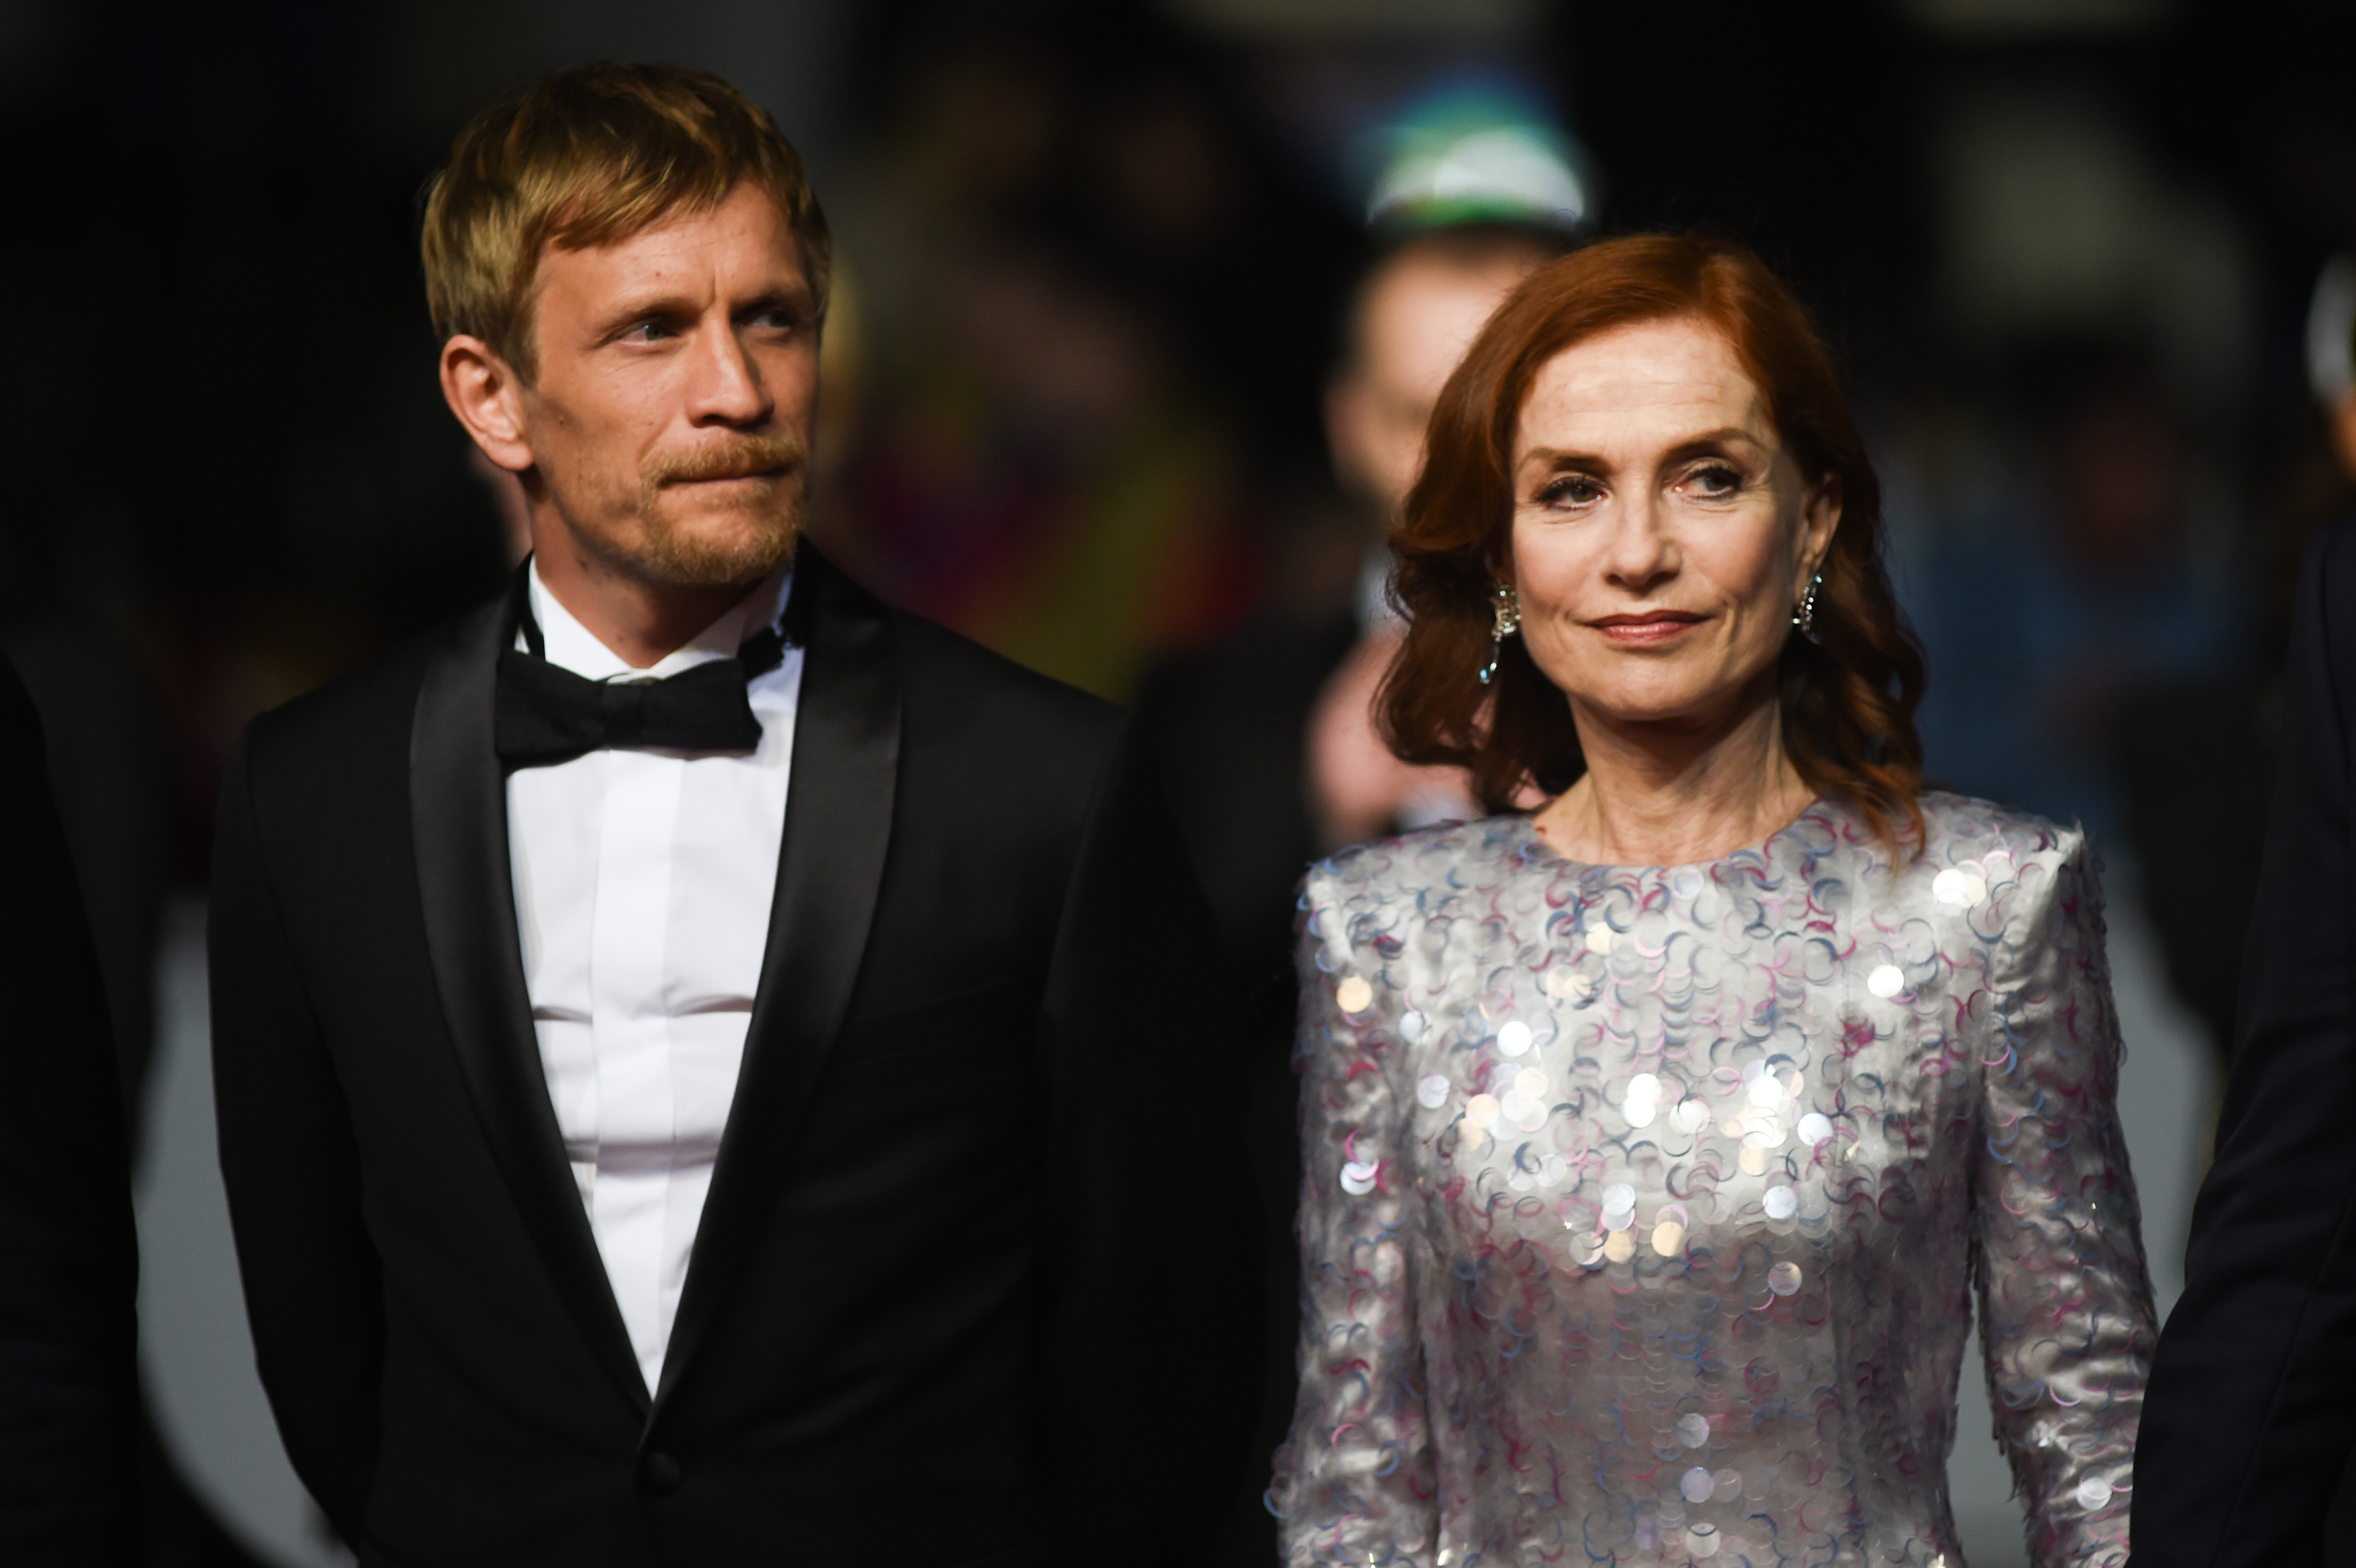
2252, 1406
971, 1284
69, 1261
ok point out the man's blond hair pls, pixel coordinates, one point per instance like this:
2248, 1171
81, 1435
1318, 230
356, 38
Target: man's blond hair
591, 156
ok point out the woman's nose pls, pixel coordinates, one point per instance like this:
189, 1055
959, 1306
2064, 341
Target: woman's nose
1642, 552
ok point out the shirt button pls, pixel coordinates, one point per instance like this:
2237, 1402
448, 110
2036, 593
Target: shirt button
658, 1473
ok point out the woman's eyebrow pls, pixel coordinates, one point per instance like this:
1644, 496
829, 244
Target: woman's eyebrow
1725, 435
1559, 457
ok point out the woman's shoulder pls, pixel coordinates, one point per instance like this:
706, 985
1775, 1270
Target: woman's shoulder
2004, 871
1445, 858
1961, 832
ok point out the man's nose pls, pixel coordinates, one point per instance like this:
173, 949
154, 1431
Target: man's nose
726, 388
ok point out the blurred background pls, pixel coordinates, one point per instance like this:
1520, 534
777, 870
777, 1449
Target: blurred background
1104, 370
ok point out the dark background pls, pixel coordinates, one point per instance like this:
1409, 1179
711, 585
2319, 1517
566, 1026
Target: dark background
1096, 258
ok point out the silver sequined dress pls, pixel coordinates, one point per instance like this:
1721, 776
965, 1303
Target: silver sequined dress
1642, 1207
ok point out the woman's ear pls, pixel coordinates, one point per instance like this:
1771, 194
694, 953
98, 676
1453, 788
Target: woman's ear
1820, 520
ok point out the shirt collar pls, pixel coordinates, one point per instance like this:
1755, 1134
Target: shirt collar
571, 645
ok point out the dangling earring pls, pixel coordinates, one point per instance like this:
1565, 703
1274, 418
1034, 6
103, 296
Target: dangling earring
1509, 621
1805, 617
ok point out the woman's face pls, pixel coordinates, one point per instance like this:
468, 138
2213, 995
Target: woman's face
1662, 534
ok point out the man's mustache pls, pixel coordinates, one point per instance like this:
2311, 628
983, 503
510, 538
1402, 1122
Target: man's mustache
739, 459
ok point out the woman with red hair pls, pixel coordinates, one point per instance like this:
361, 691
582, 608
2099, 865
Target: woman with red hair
1654, 1140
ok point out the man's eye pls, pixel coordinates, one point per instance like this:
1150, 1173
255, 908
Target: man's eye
645, 332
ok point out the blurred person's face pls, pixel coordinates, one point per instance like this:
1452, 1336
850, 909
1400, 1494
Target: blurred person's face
1418, 316
1661, 533
2118, 483
665, 438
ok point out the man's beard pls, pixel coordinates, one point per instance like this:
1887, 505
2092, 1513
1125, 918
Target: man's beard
678, 552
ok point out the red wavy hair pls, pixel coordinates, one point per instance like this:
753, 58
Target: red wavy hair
1848, 703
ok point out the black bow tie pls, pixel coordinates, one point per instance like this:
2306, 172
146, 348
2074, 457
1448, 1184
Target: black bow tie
546, 714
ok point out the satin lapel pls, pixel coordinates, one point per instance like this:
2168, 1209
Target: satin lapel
830, 871
458, 812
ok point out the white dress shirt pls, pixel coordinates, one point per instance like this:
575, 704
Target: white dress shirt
643, 880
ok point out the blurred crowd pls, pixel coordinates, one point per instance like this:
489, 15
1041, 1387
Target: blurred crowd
1140, 308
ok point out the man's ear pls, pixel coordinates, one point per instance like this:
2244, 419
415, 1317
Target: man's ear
484, 391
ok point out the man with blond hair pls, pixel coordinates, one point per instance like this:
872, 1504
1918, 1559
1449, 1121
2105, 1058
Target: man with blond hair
711, 1068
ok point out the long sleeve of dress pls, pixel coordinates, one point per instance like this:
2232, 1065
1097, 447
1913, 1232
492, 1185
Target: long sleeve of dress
1355, 1479
2065, 1300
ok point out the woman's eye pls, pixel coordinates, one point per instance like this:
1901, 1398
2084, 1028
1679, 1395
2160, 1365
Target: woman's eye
1571, 490
1714, 481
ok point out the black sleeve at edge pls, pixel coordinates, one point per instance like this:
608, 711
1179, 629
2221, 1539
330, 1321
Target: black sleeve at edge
69, 1255
292, 1168
1153, 1321
2252, 1405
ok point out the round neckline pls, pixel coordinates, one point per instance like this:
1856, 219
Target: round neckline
1764, 850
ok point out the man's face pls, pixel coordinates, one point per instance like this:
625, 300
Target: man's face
1418, 316
668, 427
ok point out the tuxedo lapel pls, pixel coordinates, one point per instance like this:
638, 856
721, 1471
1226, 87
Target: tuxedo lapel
829, 870
459, 816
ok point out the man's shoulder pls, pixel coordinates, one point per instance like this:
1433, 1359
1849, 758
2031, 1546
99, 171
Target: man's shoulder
951, 682
366, 710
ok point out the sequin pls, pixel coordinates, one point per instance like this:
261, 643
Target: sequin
1514, 1039
1733, 1216
1696, 1485
1565, 986
1959, 887
1353, 994
1432, 1090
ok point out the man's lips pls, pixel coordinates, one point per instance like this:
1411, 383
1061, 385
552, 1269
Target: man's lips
778, 472
1648, 630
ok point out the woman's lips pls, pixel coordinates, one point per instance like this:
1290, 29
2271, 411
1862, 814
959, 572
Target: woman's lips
1646, 631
